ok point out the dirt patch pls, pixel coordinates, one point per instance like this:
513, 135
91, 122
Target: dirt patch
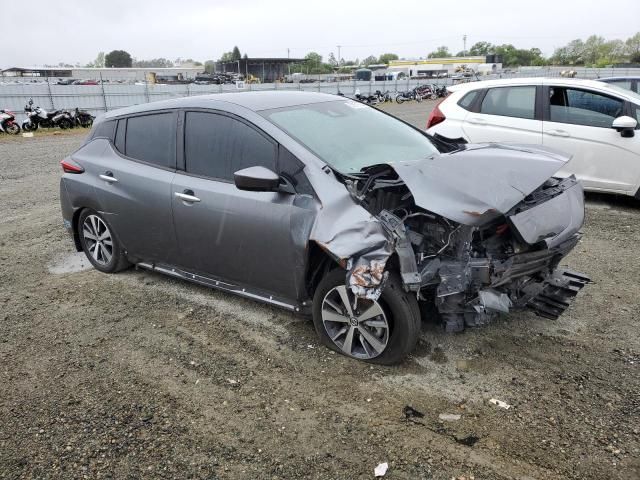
137, 375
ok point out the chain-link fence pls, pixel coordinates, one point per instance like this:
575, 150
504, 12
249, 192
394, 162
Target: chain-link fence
103, 97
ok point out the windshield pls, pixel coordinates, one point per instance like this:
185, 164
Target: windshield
349, 135
629, 93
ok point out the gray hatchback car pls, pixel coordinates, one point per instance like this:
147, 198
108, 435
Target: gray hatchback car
324, 206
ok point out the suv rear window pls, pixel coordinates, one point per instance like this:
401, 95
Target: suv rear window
519, 102
467, 101
152, 139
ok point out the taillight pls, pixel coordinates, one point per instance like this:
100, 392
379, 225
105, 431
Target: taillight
436, 115
71, 166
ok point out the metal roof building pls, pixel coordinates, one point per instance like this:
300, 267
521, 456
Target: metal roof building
266, 69
82, 73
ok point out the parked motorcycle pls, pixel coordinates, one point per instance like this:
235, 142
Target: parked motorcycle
425, 91
82, 118
408, 96
383, 96
38, 117
368, 99
440, 90
8, 123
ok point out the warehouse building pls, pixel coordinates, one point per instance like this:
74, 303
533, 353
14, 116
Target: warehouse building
440, 67
267, 70
133, 74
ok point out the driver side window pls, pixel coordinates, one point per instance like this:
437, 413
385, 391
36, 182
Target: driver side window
582, 107
216, 146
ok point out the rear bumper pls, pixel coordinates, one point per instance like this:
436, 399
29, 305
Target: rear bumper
68, 214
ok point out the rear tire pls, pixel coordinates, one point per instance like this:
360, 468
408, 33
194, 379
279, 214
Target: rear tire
399, 99
386, 331
65, 123
99, 243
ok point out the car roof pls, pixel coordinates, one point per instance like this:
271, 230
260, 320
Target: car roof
256, 101
608, 79
560, 81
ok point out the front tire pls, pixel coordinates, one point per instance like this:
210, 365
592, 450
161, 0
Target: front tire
383, 331
99, 243
12, 129
399, 99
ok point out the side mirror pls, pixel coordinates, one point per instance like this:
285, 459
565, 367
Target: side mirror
625, 125
256, 179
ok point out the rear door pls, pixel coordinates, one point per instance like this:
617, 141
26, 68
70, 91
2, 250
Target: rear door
134, 183
256, 239
578, 121
506, 114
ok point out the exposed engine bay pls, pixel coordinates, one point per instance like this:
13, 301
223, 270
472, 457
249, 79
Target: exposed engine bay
488, 255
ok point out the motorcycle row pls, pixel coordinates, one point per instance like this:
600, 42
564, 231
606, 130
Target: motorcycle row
419, 93
38, 117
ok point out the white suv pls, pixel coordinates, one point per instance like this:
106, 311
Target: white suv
595, 122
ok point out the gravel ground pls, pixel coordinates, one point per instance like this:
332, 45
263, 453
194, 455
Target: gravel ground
136, 375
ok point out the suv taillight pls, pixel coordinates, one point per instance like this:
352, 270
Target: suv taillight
71, 166
436, 115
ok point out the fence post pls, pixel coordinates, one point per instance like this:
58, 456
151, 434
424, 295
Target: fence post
50, 95
104, 96
188, 90
146, 89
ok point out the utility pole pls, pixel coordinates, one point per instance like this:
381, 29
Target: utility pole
288, 64
464, 43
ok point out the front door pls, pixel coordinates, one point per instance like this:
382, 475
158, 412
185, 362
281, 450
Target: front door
247, 238
578, 121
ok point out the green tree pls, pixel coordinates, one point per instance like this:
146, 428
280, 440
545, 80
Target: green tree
209, 66
118, 59
387, 57
332, 60
481, 48
153, 63
98, 62
440, 52
632, 48
370, 60
235, 54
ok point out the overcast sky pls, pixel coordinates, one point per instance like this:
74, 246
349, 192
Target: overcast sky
41, 32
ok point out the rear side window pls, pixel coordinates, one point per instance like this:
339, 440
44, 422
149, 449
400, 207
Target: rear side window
105, 130
516, 102
152, 139
217, 146
120, 129
582, 107
467, 101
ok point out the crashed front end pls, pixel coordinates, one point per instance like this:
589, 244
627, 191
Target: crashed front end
473, 249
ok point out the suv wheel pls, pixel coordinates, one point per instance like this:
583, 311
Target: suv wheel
99, 243
382, 331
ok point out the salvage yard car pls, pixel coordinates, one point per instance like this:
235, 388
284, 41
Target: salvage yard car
325, 206
594, 122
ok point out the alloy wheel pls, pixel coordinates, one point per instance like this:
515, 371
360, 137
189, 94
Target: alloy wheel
357, 326
98, 239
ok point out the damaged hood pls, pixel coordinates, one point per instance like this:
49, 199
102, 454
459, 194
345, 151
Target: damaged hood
478, 184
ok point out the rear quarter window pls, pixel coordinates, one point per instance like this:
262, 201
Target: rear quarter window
469, 99
105, 130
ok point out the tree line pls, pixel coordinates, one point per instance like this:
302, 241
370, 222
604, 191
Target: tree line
595, 51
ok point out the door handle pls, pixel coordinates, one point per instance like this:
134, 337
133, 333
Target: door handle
477, 121
108, 177
558, 133
187, 196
